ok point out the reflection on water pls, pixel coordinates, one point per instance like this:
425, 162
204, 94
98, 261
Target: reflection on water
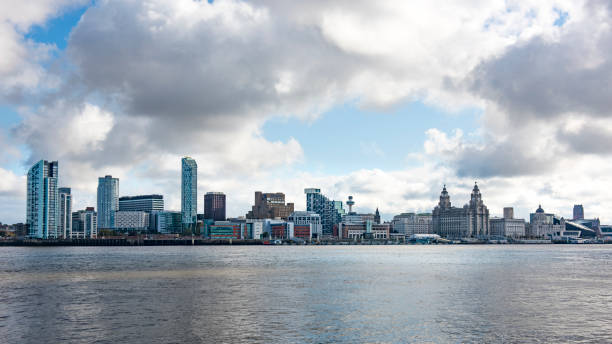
306, 294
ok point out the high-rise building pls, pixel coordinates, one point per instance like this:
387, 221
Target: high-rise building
270, 206
377, 217
147, 203
214, 206
43, 200
331, 211
65, 213
189, 193
578, 212
108, 201
470, 221
85, 224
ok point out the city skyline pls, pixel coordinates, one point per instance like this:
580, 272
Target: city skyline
389, 114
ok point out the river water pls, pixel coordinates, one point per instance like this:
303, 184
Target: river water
296, 294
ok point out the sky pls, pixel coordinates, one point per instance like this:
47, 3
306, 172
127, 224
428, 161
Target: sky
386, 101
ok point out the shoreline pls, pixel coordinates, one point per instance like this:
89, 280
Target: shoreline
131, 241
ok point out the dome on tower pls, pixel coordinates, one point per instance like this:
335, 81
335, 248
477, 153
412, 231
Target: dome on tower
539, 210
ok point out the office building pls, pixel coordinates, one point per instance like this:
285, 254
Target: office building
108, 201
230, 230
411, 223
84, 224
189, 193
147, 203
578, 212
128, 221
508, 226
270, 206
65, 213
166, 222
42, 212
214, 206
470, 221
331, 211
307, 224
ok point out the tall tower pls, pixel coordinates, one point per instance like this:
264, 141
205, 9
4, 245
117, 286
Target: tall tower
43, 200
65, 213
578, 212
189, 193
108, 201
350, 204
377, 217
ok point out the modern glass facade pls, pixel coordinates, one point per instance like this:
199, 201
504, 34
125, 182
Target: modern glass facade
146, 203
189, 192
65, 213
43, 200
108, 201
331, 211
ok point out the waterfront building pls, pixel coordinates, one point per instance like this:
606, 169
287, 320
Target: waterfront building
147, 203
543, 225
331, 211
85, 224
166, 222
108, 201
470, 221
257, 226
42, 212
411, 223
508, 226
307, 224
270, 206
578, 212
65, 213
127, 221
361, 226
230, 230
214, 206
189, 193
278, 229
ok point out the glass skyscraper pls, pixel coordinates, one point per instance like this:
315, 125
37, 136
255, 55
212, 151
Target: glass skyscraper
108, 201
43, 200
330, 211
189, 193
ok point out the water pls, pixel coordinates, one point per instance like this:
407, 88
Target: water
383, 294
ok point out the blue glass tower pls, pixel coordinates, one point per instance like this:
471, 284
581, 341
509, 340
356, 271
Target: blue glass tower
189, 193
43, 200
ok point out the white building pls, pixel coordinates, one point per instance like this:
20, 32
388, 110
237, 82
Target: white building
542, 224
65, 213
132, 220
258, 227
514, 228
411, 223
